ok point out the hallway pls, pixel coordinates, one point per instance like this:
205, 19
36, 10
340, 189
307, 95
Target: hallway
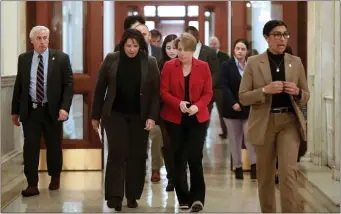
83, 191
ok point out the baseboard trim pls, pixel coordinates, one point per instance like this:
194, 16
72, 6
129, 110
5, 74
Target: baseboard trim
10, 155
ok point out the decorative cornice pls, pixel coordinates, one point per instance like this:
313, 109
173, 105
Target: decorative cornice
8, 81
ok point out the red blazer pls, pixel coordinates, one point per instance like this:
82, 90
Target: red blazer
172, 90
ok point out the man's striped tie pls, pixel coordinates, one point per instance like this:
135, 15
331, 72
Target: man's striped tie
40, 81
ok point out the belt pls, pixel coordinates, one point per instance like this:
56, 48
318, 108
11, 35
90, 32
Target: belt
38, 105
282, 110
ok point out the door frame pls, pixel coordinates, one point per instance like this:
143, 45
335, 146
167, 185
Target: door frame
84, 154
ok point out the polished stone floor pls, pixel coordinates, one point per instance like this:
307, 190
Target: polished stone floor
83, 191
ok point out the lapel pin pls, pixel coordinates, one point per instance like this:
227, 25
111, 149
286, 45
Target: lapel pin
53, 59
290, 65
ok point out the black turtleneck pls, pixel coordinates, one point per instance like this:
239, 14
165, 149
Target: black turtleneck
128, 81
277, 61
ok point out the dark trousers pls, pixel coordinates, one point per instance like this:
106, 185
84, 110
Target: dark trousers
166, 149
187, 140
126, 164
218, 99
38, 124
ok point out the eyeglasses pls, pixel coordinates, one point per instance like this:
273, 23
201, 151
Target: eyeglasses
278, 35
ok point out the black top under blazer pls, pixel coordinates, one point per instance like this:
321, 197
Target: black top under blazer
230, 81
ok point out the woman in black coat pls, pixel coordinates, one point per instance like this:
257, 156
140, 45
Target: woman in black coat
235, 114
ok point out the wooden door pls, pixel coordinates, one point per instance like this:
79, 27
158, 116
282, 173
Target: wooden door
76, 28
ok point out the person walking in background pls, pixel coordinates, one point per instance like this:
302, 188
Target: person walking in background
131, 22
169, 52
274, 84
155, 38
222, 57
42, 98
186, 91
234, 113
127, 100
155, 134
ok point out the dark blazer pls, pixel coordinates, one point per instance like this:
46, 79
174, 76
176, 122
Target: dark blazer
156, 51
209, 55
105, 91
59, 84
230, 82
172, 90
222, 57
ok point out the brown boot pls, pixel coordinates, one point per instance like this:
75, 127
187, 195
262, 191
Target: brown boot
31, 190
55, 183
155, 176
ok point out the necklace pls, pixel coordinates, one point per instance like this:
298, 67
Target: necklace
277, 66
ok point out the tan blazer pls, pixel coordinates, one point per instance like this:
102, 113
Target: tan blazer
257, 74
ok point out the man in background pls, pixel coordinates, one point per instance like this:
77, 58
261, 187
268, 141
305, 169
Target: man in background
156, 38
218, 97
155, 134
209, 55
131, 22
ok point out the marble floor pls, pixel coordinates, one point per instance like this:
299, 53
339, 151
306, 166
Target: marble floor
83, 191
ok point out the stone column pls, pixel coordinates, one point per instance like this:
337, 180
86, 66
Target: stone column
324, 84
314, 80
337, 82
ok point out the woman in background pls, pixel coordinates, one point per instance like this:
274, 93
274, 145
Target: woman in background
127, 100
234, 113
169, 52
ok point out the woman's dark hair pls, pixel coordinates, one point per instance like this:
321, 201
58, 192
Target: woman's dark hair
244, 41
288, 50
164, 56
168, 38
130, 20
270, 25
136, 35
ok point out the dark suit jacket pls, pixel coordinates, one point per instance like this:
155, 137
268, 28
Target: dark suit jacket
230, 82
105, 91
209, 55
59, 84
156, 51
172, 90
222, 57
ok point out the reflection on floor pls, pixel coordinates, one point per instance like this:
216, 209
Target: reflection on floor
83, 191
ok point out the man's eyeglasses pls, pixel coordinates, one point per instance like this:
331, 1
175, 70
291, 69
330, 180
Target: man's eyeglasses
278, 35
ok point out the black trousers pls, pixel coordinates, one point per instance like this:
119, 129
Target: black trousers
187, 140
38, 124
218, 99
126, 164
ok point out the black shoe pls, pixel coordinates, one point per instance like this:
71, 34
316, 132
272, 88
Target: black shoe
276, 179
239, 173
170, 186
115, 203
196, 207
132, 203
223, 136
253, 172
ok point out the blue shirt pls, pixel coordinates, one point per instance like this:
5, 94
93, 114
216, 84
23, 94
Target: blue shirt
33, 74
240, 69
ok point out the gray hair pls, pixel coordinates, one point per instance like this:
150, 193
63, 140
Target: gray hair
38, 28
215, 38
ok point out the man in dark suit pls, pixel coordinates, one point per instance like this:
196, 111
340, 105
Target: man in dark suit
131, 22
209, 55
42, 97
155, 134
222, 57
153, 50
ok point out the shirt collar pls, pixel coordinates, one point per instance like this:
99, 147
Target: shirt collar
44, 54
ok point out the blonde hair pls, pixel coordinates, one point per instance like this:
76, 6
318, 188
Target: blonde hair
187, 40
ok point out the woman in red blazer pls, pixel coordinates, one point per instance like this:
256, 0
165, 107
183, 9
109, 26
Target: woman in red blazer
186, 90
